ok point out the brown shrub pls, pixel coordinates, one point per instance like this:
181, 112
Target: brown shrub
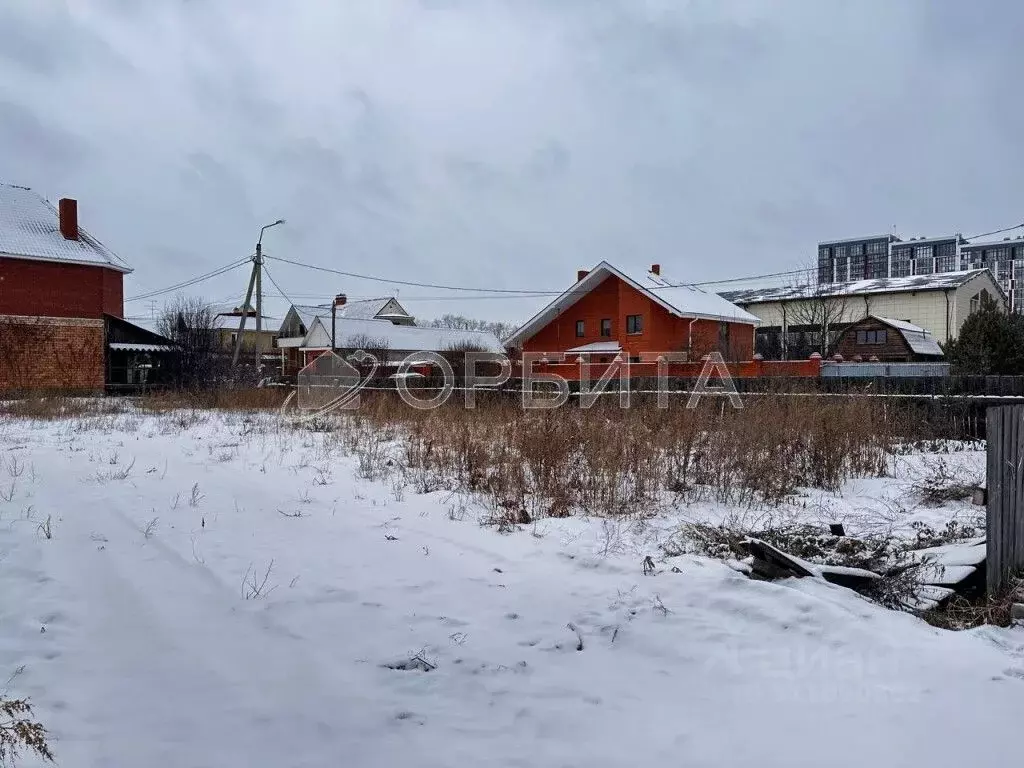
611, 461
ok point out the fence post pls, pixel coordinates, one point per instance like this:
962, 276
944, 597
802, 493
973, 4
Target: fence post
1004, 428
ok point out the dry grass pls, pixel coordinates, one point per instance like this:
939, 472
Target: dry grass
60, 407
609, 461
960, 613
248, 399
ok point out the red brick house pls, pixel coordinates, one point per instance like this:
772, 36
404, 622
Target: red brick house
608, 312
58, 286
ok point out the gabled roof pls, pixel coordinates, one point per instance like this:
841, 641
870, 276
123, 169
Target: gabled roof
920, 341
30, 229
408, 338
940, 281
228, 321
365, 309
306, 314
678, 299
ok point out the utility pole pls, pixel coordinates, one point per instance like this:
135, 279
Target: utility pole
255, 281
258, 264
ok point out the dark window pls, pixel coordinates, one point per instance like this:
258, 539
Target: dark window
634, 324
723, 338
606, 327
580, 329
634, 359
872, 337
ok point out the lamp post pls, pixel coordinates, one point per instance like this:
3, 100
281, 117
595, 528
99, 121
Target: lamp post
255, 281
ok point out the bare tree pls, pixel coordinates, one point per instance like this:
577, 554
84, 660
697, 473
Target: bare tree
461, 323
190, 323
377, 347
819, 318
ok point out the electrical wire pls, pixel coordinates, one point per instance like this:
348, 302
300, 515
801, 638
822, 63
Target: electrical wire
192, 281
997, 232
516, 292
274, 283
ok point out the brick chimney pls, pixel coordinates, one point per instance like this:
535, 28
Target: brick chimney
656, 269
67, 213
340, 300
581, 273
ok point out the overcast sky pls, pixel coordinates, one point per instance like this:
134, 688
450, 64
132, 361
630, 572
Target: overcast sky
506, 143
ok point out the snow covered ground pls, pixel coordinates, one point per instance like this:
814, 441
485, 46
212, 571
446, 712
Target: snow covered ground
140, 640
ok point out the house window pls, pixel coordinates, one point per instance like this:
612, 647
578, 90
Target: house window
580, 330
634, 324
723, 338
606, 327
634, 359
872, 337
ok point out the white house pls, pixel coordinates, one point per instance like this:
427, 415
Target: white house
379, 326
799, 317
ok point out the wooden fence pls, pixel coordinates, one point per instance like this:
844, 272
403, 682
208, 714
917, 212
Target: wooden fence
1005, 532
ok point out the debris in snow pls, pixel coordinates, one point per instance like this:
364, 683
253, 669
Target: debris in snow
772, 563
648, 566
579, 637
417, 663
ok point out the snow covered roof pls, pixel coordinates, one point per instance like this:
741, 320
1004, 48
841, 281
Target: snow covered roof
365, 309
886, 236
989, 244
412, 338
679, 299
30, 229
939, 281
920, 341
928, 240
229, 322
596, 348
141, 347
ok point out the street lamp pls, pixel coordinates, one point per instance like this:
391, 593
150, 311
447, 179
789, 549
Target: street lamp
259, 243
255, 280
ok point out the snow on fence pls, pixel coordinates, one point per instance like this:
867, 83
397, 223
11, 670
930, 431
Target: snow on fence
1005, 507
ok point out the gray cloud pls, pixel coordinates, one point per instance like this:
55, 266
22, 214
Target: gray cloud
506, 143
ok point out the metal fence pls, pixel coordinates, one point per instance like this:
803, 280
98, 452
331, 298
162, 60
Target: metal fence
832, 369
1005, 532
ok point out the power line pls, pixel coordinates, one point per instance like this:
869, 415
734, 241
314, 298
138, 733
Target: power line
192, 281
356, 297
273, 282
405, 282
997, 232
513, 292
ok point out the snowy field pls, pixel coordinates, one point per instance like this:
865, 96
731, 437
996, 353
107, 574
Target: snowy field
214, 590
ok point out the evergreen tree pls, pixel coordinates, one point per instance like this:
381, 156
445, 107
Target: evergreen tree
991, 343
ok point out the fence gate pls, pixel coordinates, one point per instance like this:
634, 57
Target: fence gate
1005, 483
